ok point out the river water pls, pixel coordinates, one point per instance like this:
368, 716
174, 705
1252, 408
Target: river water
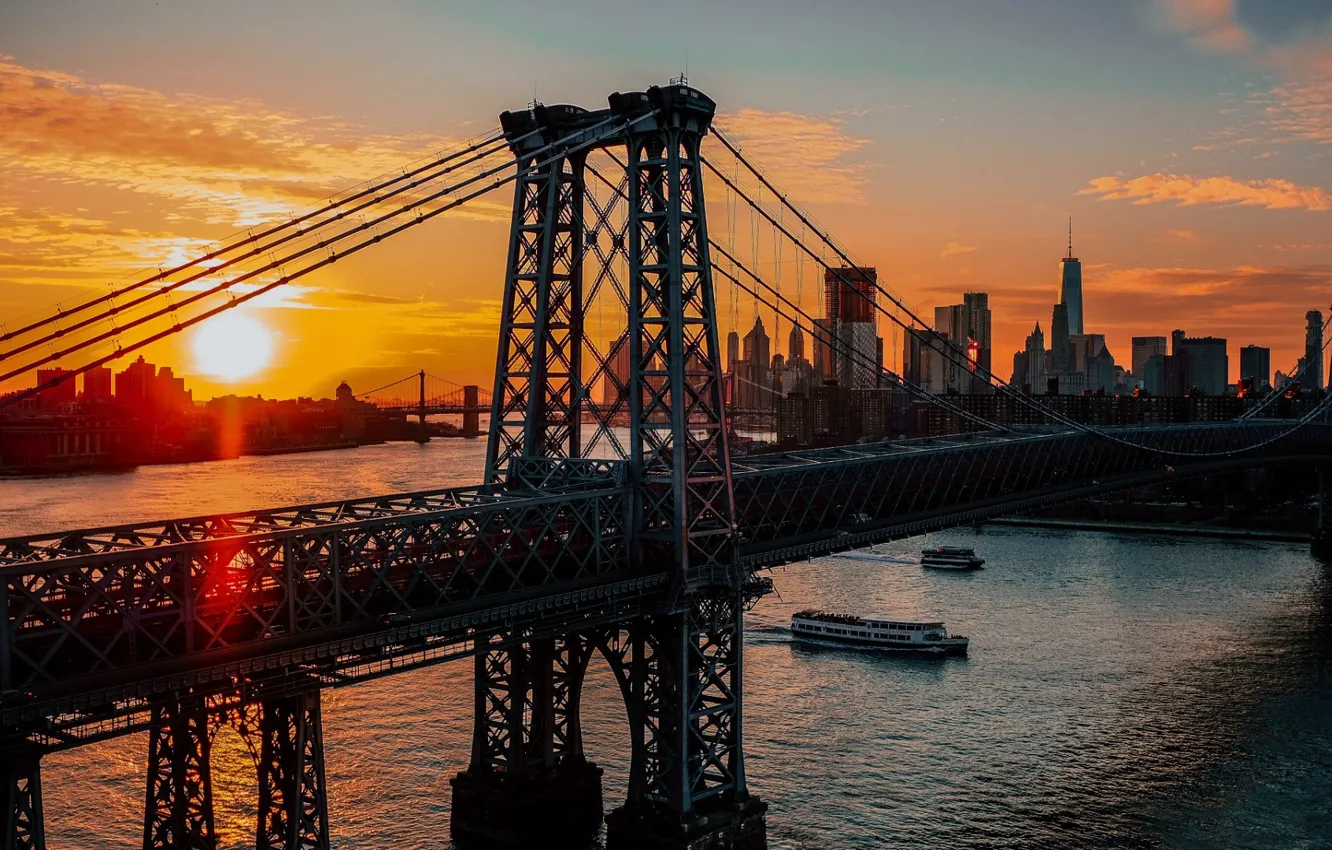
1121, 691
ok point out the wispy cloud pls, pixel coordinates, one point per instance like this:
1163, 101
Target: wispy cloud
1192, 191
1209, 24
225, 161
1181, 236
952, 249
810, 157
1297, 109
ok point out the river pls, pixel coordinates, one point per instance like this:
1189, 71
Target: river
1121, 690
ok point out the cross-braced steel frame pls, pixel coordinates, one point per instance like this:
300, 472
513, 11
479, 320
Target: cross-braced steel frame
178, 811
684, 698
643, 557
293, 794
25, 828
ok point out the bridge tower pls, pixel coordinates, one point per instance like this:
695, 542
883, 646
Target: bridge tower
679, 666
422, 435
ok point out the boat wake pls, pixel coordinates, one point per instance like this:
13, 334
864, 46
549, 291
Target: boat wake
878, 558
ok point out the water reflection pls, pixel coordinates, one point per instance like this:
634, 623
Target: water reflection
1119, 692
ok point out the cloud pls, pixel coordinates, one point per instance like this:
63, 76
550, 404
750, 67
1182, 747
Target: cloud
1216, 298
1192, 191
805, 156
952, 249
1209, 24
236, 162
1182, 236
1298, 111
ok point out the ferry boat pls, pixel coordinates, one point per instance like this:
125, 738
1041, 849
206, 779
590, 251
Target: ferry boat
880, 631
950, 558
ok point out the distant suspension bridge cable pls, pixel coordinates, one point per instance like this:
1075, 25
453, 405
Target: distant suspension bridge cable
572, 143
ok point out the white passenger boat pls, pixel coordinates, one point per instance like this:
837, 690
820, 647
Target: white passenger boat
950, 558
924, 637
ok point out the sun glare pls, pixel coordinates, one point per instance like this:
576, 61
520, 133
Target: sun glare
232, 346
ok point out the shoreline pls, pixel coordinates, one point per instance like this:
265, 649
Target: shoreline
1156, 528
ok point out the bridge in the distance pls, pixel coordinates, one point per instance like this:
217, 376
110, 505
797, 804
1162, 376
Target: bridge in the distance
649, 558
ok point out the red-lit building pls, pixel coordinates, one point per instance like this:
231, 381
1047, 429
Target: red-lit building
60, 394
97, 384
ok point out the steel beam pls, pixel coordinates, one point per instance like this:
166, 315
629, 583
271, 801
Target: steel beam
25, 828
178, 810
293, 794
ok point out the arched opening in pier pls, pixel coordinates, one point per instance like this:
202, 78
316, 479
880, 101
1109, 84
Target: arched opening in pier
605, 723
235, 778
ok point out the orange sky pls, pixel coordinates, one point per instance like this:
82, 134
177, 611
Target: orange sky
1202, 197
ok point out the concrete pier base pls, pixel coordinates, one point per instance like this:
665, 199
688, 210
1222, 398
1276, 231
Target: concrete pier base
560, 809
740, 827
1321, 546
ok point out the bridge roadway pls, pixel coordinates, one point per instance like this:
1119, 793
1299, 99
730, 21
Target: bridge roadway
98, 621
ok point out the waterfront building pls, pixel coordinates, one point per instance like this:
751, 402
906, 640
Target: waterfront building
62, 393
97, 384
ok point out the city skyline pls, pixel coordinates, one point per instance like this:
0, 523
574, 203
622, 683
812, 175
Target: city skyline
949, 173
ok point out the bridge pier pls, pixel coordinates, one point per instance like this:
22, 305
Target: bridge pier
1321, 547
683, 686
528, 783
25, 827
178, 810
471, 420
293, 793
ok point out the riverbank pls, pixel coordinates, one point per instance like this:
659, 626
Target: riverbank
1157, 528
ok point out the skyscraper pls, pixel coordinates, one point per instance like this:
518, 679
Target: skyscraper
1070, 285
1059, 353
950, 323
1312, 378
732, 350
795, 344
976, 315
1036, 359
1143, 348
1202, 361
1256, 366
849, 294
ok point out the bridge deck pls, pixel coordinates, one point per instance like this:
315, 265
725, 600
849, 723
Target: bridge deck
100, 618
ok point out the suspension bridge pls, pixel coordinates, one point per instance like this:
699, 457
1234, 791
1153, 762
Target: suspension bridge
613, 517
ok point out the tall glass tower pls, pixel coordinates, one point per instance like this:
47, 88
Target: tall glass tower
1070, 287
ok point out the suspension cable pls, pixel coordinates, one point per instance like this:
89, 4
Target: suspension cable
819, 333
987, 373
589, 137
251, 239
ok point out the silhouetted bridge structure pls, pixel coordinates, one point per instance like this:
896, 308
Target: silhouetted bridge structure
651, 558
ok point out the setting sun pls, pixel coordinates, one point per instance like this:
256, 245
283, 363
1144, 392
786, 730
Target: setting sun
232, 346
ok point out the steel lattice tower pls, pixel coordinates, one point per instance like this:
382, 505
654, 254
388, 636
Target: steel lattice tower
679, 667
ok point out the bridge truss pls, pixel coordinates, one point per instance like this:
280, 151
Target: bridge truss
613, 517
